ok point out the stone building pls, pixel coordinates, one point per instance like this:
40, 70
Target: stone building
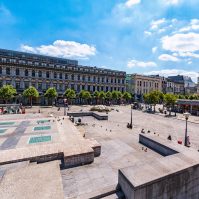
25, 69
175, 87
189, 85
142, 84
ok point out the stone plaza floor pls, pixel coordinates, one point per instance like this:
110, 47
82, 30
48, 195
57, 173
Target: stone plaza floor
120, 147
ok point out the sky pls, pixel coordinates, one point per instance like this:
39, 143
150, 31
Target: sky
136, 36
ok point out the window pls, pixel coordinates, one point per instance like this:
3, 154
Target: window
39, 86
33, 73
66, 76
7, 71
83, 78
26, 84
78, 77
40, 74
55, 75
17, 85
94, 78
47, 74
60, 75
72, 77
26, 72
89, 78
17, 71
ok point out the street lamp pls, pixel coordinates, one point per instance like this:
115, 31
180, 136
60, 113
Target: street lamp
65, 102
186, 115
131, 123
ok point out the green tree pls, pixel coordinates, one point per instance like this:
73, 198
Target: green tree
154, 98
51, 94
86, 96
7, 92
127, 96
170, 101
102, 96
96, 96
115, 96
119, 95
70, 94
108, 96
30, 93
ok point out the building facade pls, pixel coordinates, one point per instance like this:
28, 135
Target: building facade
25, 69
142, 84
189, 85
174, 87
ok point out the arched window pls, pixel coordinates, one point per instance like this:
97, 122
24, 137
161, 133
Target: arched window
7, 71
26, 72
33, 73
40, 74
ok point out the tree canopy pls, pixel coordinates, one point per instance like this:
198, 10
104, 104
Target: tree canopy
7, 92
30, 93
51, 93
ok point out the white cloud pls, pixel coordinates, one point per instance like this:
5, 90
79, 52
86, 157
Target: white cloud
172, 2
181, 42
157, 23
154, 49
61, 48
131, 3
166, 57
135, 63
187, 54
171, 72
147, 33
192, 26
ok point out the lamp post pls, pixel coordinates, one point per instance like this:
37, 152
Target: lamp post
65, 101
131, 123
186, 115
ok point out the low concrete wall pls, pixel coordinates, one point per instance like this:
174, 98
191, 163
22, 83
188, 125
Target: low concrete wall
82, 114
77, 160
180, 185
158, 147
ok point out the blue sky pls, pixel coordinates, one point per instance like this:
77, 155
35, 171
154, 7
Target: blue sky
137, 36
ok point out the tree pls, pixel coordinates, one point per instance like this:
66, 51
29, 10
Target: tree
108, 96
154, 98
30, 93
114, 96
170, 101
7, 92
127, 96
102, 96
70, 94
86, 95
51, 93
119, 95
96, 96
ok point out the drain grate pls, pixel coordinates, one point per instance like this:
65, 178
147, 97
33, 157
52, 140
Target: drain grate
42, 128
39, 139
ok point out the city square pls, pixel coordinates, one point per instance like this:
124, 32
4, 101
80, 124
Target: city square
97, 177
99, 99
